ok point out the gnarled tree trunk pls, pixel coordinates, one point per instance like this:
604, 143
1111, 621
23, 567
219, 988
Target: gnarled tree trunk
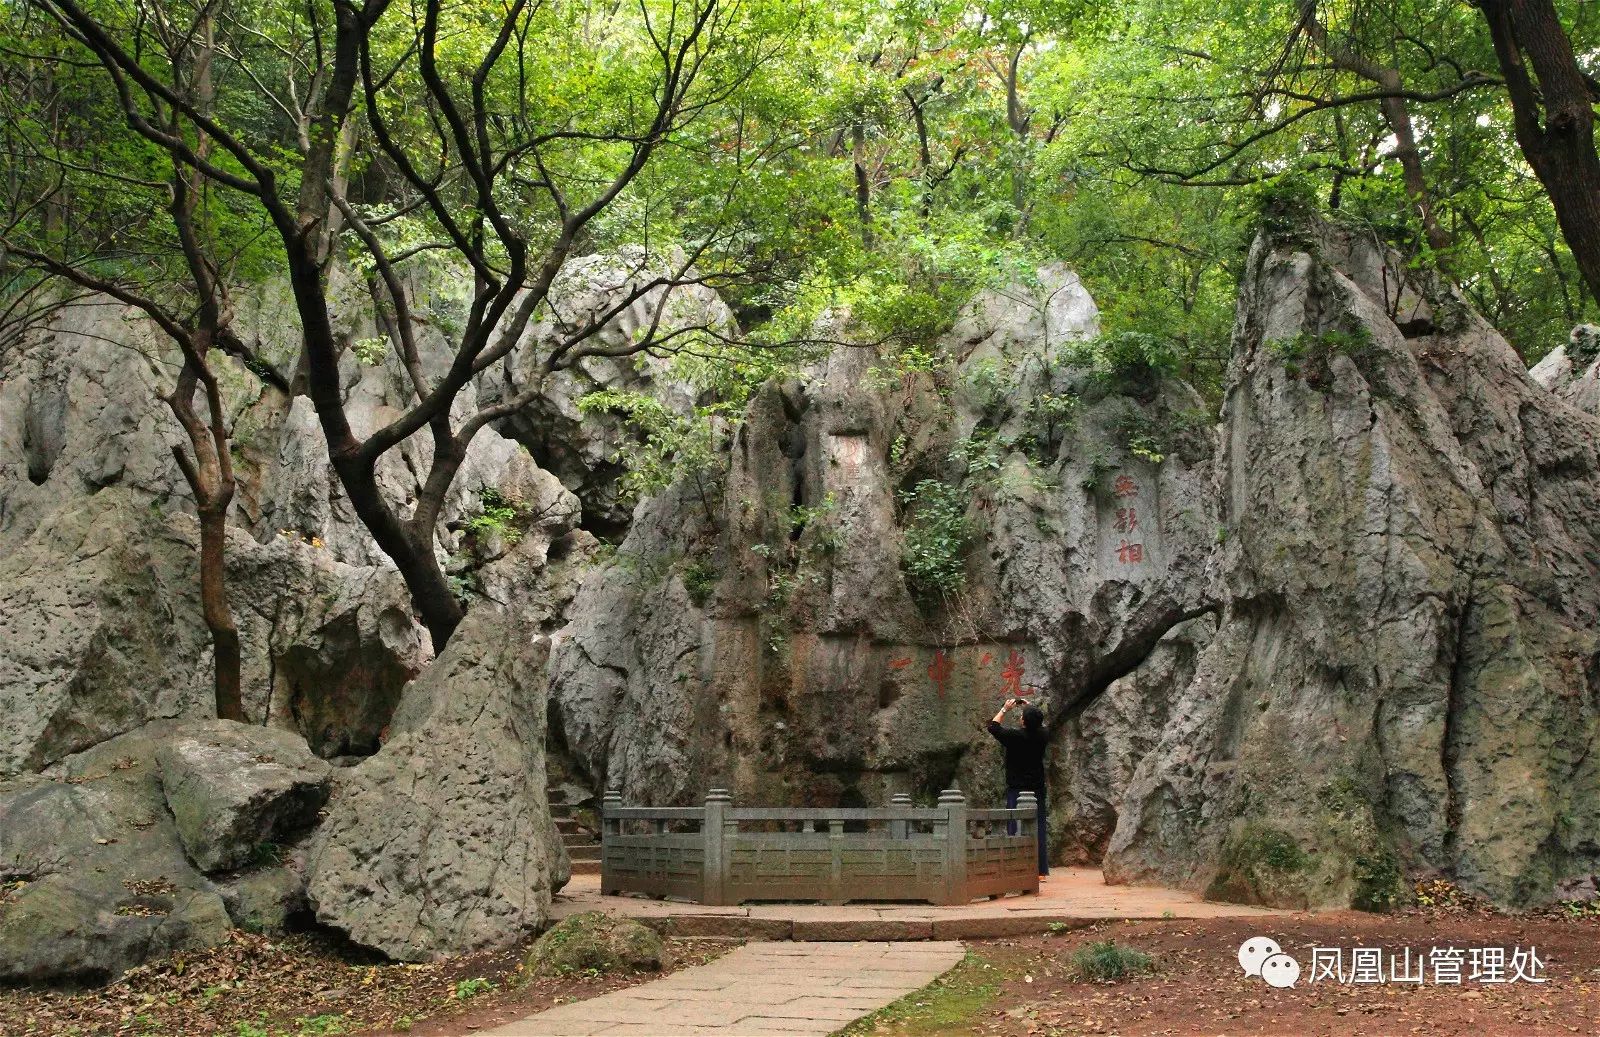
1553, 116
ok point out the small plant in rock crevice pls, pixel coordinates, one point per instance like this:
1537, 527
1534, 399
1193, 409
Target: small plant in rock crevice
806, 538
699, 580
1379, 881
500, 515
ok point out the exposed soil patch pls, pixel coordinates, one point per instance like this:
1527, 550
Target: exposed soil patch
1022, 986
300, 985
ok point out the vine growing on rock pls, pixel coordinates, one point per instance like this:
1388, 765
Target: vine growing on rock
935, 541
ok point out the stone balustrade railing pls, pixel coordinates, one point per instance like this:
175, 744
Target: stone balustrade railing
725, 854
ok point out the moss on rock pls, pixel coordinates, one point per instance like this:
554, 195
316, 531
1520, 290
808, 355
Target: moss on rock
596, 943
1261, 865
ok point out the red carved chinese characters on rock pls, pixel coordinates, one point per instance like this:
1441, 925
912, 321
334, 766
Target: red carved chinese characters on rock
1127, 520
939, 672
1011, 676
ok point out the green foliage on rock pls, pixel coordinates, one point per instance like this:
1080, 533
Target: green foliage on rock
935, 541
1260, 864
498, 516
699, 580
1380, 882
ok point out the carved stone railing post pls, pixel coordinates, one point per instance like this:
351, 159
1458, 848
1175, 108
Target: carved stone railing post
1029, 802
713, 835
954, 805
610, 829
899, 829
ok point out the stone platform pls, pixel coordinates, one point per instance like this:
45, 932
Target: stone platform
1071, 896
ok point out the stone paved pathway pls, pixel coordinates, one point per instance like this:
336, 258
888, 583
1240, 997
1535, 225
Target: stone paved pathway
760, 988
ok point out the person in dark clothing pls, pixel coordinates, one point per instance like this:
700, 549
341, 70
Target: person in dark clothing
1024, 748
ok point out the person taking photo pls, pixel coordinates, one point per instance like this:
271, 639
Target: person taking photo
1024, 751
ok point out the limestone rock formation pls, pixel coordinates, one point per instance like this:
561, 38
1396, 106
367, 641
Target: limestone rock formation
102, 643
232, 789
101, 630
623, 289
768, 636
442, 842
1572, 371
1098, 750
1405, 669
94, 877
100, 626
1319, 636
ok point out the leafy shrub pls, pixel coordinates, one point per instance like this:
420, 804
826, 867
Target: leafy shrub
1378, 881
1286, 204
671, 446
1047, 417
1580, 908
699, 580
1107, 961
470, 988
1583, 346
936, 540
369, 351
1314, 349
498, 517
1126, 361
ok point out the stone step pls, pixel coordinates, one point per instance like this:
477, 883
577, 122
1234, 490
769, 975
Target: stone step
586, 867
566, 825
590, 852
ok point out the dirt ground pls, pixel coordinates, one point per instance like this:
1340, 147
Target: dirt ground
303, 985
1022, 986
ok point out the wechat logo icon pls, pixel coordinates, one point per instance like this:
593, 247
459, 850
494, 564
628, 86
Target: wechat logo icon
1262, 957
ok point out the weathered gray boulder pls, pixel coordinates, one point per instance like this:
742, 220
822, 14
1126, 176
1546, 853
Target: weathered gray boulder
265, 899
596, 942
94, 865
233, 789
440, 844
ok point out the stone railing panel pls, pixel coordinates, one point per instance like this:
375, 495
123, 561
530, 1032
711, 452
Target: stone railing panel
722, 854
